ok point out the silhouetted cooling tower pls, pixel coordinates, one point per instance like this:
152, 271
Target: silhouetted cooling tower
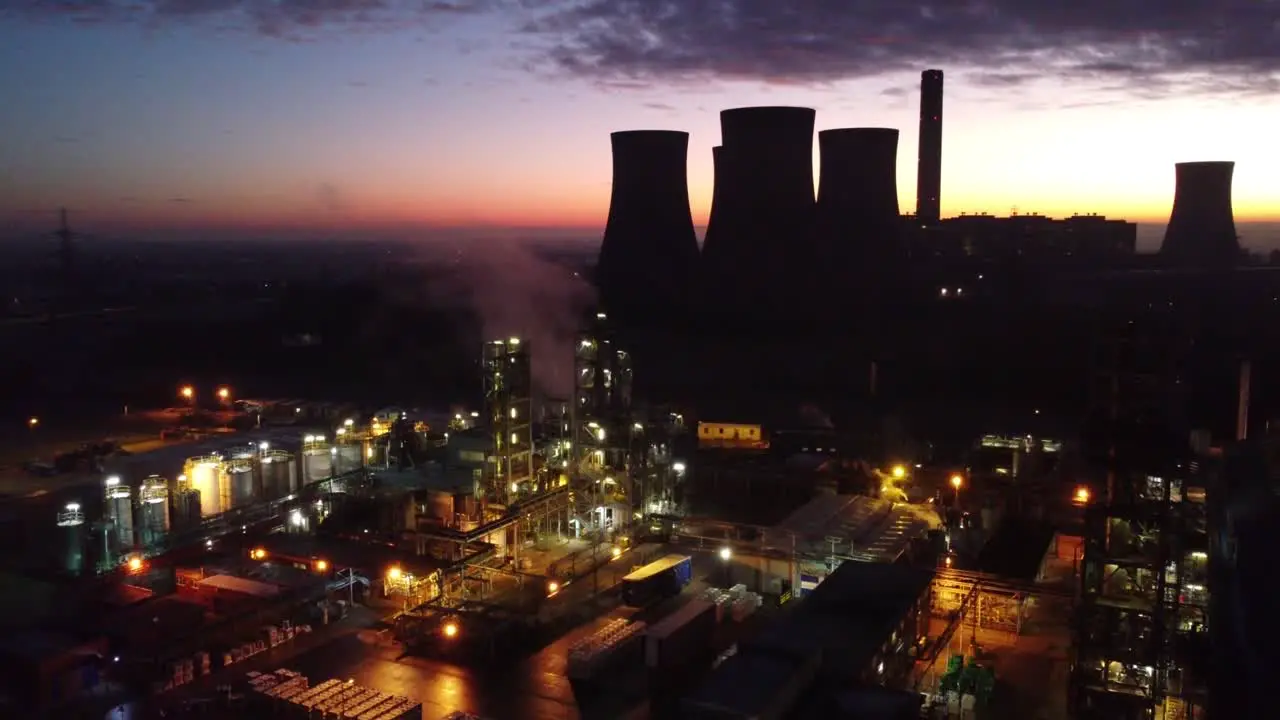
858, 216
1202, 228
650, 252
929, 163
758, 244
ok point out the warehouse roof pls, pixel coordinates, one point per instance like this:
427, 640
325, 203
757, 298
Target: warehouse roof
241, 585
856, 526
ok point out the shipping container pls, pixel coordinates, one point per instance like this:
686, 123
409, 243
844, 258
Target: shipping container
657, 581
682, 638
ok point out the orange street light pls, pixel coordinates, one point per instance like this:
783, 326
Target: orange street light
553, 587
224, 394
322, 565
187, 392
451, 630
258, 554
1082, 495
898, 472
956, 481
394, 573
33, 421
135, 564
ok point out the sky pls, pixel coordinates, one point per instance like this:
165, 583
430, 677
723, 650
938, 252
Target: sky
345, 114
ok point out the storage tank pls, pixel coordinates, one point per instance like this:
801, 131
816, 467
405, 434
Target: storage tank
153, 510
279, 476
317, 459
71, 519
440, 506
349, 458
241, 481
119, 513
375, 452
204, 475
185, 510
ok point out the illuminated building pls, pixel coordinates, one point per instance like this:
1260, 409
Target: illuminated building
730, 435
601, 414
1143, 609
508, 390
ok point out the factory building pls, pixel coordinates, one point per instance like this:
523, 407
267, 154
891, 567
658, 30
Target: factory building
1084, 238
508, 401
1202, 230
649, 253
857, 632
1142, 618
929, 163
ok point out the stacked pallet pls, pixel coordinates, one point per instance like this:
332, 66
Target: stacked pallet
594, 651
285, 693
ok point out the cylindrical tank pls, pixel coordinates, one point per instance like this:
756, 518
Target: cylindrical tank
279, 476
186, 507
153, 510
204, 475
350, 457
71, 519
119, 513
241, 482
317, 465
440, 506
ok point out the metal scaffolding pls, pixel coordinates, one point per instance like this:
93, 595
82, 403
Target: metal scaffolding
1143, 593
508, 399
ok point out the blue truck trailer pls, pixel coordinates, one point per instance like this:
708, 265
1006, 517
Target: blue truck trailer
657, 581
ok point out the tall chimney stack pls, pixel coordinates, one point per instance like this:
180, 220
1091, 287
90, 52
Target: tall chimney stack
929, 165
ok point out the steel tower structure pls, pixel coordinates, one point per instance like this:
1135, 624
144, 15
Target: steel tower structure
508, 399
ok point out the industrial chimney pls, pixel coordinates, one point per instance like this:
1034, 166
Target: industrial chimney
929, 164
650, 251
759, 240
858, 216
1202, 229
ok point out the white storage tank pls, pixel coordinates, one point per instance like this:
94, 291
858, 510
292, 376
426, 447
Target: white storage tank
119, 512
317, 465
349, 458
153, 509
204, 475
241, 481
279, 475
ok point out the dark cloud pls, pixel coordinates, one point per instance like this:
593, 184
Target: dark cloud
1230, 46
290, 19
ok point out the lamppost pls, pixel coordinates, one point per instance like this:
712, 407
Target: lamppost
224, 395
957, 480
726, 554
188, 394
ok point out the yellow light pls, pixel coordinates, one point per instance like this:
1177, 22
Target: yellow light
33, 421
617, 552
258, 554
223, 393
899, 472
394, 573
1082, 495
451, 630
187, 392
321, 565
957, 481
135, 564
947, 562
553, 587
